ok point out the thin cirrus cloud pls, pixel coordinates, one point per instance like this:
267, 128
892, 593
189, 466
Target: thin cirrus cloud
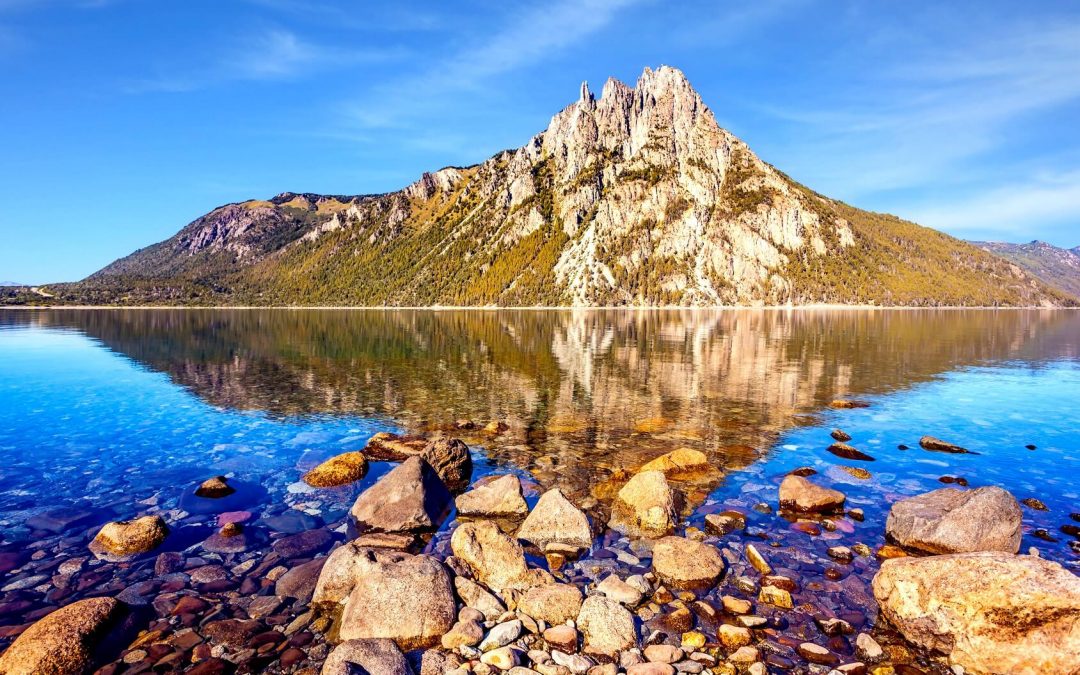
528, 36
272, 54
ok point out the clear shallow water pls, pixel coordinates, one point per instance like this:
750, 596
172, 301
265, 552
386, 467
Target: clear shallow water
118, 413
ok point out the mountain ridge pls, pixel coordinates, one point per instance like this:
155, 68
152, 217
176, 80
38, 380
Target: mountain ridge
1057, 267
638, 198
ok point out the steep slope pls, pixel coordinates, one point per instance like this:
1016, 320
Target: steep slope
638, 198
1058, 267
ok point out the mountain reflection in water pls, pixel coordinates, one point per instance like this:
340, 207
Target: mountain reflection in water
585, 392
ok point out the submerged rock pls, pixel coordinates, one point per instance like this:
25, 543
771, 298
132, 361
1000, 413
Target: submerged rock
556, 521
62, 642
411, 497
644, 507
687, 564
340, 470
799, 494
938, 445
125, 538
989, 612
951, 520
679, 464
500, 498
214, 488
496, 559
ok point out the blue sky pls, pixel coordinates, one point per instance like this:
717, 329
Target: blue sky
123, 120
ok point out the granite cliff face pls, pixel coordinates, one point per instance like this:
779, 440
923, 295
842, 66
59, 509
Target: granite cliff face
637, 197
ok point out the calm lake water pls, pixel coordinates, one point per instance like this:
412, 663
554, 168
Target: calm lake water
112, 414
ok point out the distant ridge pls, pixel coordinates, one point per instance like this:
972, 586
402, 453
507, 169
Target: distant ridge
635, 198
1058, 267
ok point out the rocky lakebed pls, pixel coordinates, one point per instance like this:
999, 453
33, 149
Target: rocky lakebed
437, 567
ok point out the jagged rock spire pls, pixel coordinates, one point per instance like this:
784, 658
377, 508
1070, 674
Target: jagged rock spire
586, 95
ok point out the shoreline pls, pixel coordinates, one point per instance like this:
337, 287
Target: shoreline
545, 308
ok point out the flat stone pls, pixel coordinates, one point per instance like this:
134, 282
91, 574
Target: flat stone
799, 494
303, 544
299, 582
619, 591
686, 564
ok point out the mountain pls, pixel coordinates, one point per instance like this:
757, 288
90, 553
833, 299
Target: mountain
1058, 267
635, 198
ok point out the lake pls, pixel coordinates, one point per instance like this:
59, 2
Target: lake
112, 414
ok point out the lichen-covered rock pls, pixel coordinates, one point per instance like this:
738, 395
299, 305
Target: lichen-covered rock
687, 564
379, 587
799, 494
411, 497
342, 469
608, 627
495, 558
380, 656
499, 498
554, 520
62, 642
951, 520
126, 538
644, 507
990, 612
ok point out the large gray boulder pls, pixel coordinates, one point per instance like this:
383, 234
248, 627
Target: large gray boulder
411, 497
990, 612
951, 520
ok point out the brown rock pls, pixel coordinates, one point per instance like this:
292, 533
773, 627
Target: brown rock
990, 612
848, 452
680, 464
644, 507
451, 460
393, 448
500, 498
553, 603
411, 497
379, 656
951, 520
938, 445
556, 521
299, 582
608, 627
496, 559
799, 494
129, 537
214, 488
62, 642
687, 564
342, 469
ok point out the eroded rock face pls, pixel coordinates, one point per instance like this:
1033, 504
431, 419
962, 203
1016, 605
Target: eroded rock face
377, 589
990, 612
342, 469
799, 494
495, 558
645, 507
411, 497
126, 538
63, 642
500, 498
556, 521
373, 656
951, 520
687, 564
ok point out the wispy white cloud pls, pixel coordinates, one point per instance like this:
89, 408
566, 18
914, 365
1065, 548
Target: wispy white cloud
270, 54
1010, 211
529, 36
